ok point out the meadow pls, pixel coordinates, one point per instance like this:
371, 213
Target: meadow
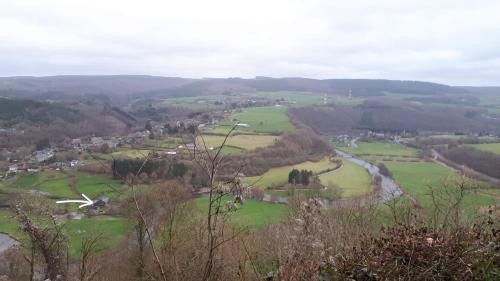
488, 147
352, 179
209, 101
279, 175
59, 184
252, 213
112, 229
267, 119
381, 148
247, 142
415, 179
196, 102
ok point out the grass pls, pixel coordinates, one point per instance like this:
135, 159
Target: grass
294, 98
196, 102
169, 142
381, 148
128, 153
279, 176
488, 147
112, 229
352, 179
267, 119
230, 150
251, 213
59, 184
95, 185
241, 141
8, 224
306, 193
414, 178
55, 183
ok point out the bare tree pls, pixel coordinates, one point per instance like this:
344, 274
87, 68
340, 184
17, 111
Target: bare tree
447, 199
90, 248
211, 161
49, 240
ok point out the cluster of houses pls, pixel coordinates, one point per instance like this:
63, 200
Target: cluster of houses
9, 131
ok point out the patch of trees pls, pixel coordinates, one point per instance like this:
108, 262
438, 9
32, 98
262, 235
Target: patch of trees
300, 177
327, 119
294, 147
122, 168
384, 170
383, 115
485, 162
392, 116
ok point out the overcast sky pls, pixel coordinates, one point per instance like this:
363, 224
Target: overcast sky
450, 41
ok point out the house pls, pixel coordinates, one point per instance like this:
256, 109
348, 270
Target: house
99, 203
13, 168
96, 141
43, 155
138, 136
191, 146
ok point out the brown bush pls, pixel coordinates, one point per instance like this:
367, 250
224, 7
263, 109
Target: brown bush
417, 252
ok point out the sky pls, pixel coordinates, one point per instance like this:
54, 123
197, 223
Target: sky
454, 42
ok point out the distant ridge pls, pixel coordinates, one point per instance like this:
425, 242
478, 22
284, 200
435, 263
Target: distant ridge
123, 88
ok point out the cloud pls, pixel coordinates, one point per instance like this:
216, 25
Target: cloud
449, 41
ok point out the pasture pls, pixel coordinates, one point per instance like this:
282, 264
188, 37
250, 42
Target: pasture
488, 147
415, 179
382, 149
252, 213
268, 119
196, 102
128, 153
279, 175
352, 179
112, 229
247, 142
60, 184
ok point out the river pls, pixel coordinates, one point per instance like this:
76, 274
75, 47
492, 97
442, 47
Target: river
389, 189
6, 242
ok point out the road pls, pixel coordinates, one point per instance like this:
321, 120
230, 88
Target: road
447, 162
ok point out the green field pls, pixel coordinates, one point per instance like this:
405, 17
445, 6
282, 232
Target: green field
169, 142
251, 213
196, 102
381, 148
248, 142
414, 178
488, 147
8, 224
268, 119
352, 179
95, 185
292, 98
279, 176
129, 153
112, 229
59, 184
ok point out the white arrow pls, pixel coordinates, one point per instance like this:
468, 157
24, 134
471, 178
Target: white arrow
86, 202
